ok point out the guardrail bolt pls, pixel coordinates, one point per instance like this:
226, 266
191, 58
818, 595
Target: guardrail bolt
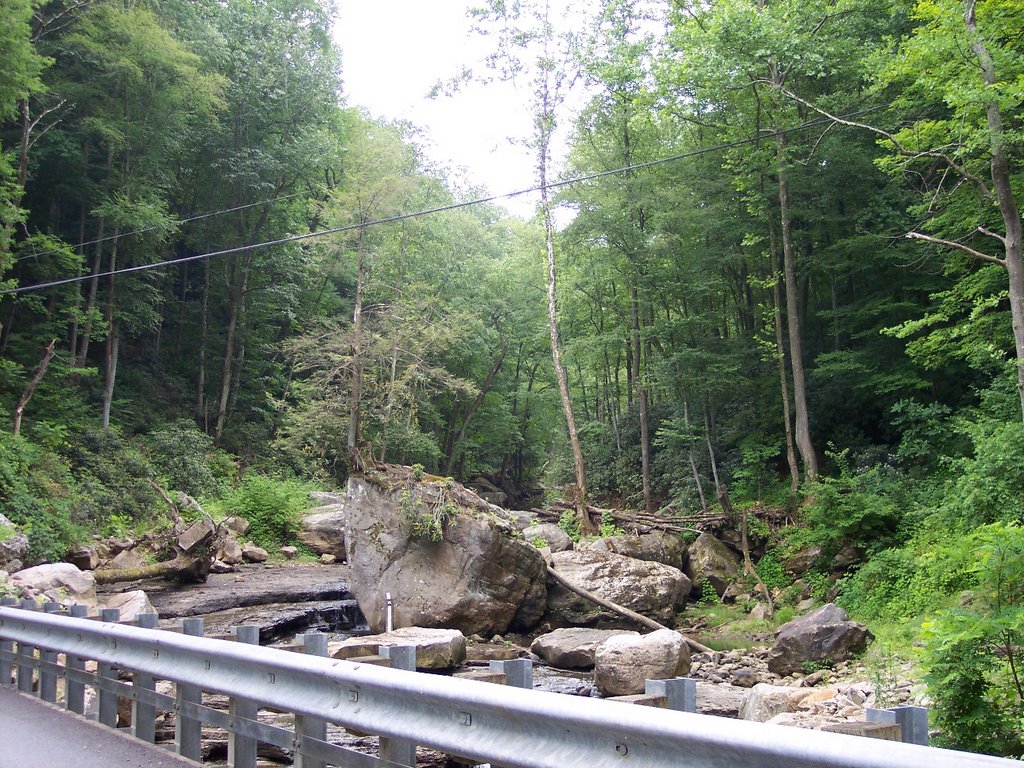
621, 750
465, 718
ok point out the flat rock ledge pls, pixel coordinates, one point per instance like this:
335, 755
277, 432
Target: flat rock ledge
435, 648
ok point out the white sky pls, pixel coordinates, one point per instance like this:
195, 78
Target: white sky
394, 51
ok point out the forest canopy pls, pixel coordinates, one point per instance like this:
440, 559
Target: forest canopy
792, 278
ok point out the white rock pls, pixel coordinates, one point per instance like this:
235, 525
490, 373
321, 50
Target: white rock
624, 662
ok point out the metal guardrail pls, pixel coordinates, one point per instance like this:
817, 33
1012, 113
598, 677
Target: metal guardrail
477, 721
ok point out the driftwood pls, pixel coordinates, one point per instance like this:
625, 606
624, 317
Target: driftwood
181, 568
619, 609
641, 522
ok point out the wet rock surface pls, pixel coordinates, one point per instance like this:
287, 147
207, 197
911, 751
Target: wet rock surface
249, 585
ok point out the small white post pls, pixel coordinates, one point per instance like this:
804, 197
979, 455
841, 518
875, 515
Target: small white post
390, 619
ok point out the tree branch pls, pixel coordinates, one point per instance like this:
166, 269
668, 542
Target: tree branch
976, 180
959, 246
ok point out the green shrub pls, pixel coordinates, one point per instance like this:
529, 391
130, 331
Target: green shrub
608, 527
769, 568
38, 494
973, 651
856, 508
986, 486
186, 460
272, 506
570, 523
708, 595
112, 477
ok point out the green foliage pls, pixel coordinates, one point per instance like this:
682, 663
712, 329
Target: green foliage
570, 523
272, 506
973, 650
539, 542
430, 510
708, 595
856, 508
186, 460
985, 487
810, 665
37, 493
608, 527
769, 569
118, 526
112, 476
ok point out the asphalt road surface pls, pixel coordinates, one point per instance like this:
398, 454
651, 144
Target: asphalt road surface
38, 735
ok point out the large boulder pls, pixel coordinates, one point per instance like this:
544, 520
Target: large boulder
13, 545
826, 635
651, 589
472, 571
61, 583
253, 553
554, 537
323, 530
712, 561
623, 663
803, 560
131, 604
720, 699
657, 547
765, 701
573, 647
435, 648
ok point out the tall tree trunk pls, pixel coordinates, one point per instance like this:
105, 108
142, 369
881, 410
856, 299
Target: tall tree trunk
112, 348
475, 405
693, 457
587, 525
708, 428
780, 350
237, 283
1001, 182
30, 390
545, 121
203, 340
90, 299
354, 426
803, 429
73, 334
641, 399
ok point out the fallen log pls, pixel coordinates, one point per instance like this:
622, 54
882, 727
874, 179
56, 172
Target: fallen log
619, 609
185, 569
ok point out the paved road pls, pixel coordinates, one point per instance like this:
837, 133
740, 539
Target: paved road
37, 735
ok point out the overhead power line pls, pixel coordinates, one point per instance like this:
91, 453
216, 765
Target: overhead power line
175, 223
431, 211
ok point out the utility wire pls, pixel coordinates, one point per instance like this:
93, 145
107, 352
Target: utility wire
431, 211
175, 223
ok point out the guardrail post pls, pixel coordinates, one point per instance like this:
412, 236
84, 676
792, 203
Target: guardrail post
400, 751
144, 715
188, 729
313, 644
74, 690
26, 656
518, 672
242, 749
913, 722
107, 714
7, 651
681, 692
47, 665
